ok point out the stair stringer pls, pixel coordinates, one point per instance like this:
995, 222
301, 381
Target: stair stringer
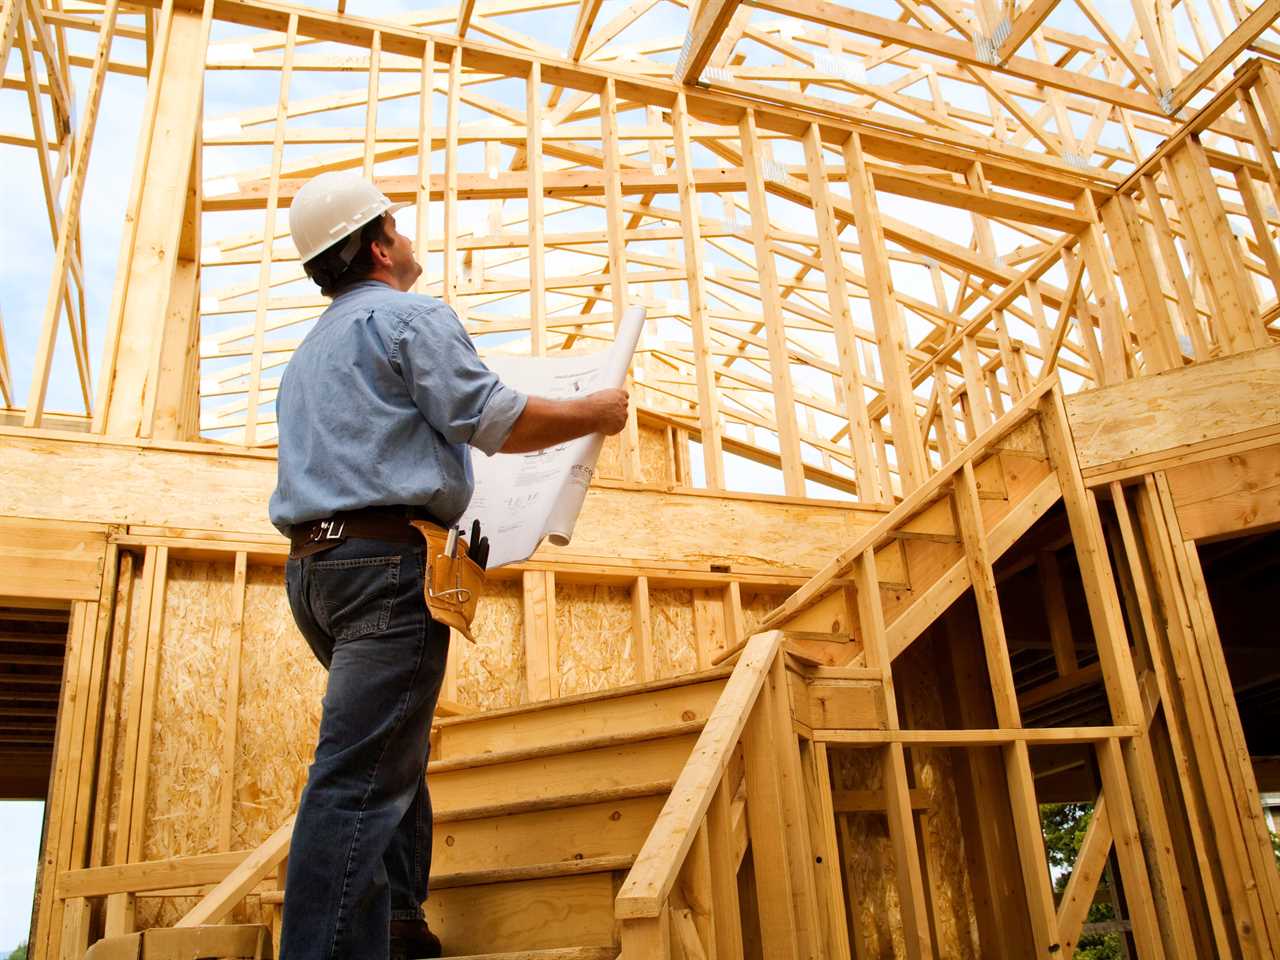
1016, 485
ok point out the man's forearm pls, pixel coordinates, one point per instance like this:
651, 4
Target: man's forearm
545, 423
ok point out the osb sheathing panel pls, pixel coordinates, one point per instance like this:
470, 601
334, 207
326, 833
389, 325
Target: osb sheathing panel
867, 853
281, 684
491, 671
955, 922
675, 649
593, 638
186, 762
867, 856
756, 606
655, 457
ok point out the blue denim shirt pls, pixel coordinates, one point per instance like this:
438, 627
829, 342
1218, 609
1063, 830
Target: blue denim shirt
378, 406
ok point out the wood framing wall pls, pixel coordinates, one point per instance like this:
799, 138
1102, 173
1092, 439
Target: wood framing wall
861, 298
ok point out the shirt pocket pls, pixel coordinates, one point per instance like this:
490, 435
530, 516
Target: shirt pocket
354, 597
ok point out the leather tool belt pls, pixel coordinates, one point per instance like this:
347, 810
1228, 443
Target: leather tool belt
371, 523
453, 584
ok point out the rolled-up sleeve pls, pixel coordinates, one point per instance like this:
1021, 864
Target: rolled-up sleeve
458, 395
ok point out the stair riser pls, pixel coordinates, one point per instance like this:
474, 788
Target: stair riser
567, 722
541, 778
524, 915
583, 832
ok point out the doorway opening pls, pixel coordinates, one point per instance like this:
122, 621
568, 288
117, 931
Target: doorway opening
33, 643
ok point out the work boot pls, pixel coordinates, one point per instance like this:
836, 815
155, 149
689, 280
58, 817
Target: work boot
413, 940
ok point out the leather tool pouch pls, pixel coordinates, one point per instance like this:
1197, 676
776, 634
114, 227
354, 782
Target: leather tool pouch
452, 585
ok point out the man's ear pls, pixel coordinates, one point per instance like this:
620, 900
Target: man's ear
381, 249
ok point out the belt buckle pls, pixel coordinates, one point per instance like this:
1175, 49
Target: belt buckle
327, 530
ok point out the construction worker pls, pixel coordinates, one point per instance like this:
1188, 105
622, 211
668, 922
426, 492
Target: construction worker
376, 411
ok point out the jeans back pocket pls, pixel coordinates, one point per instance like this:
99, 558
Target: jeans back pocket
353, 598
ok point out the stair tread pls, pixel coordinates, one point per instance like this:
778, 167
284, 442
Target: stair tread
702, 676
533, 871
558, 953
574, 745
482, 811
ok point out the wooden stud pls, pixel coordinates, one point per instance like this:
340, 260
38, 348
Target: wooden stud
834, 271
690, 221
537, 264
885, 312
231, 707
770, 305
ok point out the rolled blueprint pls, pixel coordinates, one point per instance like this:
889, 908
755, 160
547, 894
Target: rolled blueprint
522, 499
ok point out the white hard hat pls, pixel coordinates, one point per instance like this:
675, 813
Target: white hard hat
331, 206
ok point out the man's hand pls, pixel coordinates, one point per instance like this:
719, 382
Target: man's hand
545, 423
610, 410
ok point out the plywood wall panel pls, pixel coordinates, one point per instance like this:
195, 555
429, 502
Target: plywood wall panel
182, 817
756, 605
867, 857
916, 681
281, 684
655, 457
491, 671
675, 649
594, 638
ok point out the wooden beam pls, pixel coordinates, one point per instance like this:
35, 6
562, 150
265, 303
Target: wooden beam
465, 9
1026, 23
1249, 29
1228, 495
587, 12
707, 26
224, 898
1085, 874
953, 48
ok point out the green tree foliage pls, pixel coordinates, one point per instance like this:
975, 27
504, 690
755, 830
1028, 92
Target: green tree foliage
19, 952
1064, 826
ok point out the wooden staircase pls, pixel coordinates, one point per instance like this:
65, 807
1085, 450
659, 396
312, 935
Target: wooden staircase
577, 828
581, 782
987, 496
539, 813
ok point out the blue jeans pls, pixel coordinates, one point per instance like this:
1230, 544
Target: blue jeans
361, 850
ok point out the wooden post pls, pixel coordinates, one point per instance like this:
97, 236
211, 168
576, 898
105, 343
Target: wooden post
533, 160
147, 270
885, 312
231, 708
902, 832
833, 268
642, 631
765, 816
273, 200
724, 877
422, 226
1022, 795
690, 223
539, 634
784, 403
68, 231
449, 277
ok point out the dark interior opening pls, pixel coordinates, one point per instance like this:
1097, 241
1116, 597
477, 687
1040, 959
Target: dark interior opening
1243, 577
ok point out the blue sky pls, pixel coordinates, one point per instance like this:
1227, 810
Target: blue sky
20, 822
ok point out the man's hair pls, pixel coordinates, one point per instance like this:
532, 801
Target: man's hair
329, 271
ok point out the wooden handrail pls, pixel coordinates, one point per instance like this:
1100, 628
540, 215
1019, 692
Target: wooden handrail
223, 898
649, 883
817, 585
